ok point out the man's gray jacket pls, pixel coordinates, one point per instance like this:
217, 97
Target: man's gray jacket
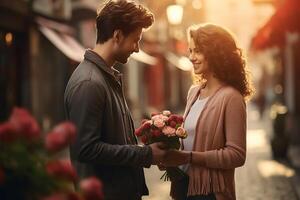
105, 146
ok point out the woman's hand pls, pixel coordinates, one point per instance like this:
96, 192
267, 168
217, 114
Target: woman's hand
175, 158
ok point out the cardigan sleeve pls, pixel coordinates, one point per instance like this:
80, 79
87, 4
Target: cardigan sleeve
234, 152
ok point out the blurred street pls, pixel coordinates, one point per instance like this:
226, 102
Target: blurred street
260, 178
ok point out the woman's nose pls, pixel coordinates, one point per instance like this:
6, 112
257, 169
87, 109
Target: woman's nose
192, 57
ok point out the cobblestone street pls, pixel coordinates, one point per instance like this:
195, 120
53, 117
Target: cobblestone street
261, 178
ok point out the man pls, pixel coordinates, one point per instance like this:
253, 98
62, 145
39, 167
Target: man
105, 146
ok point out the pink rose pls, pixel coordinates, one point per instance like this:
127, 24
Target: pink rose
181, 132
61, 169
166, 113
169, 131
159, 123
160, 117
92, 188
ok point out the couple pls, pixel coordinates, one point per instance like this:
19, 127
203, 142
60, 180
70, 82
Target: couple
215, 115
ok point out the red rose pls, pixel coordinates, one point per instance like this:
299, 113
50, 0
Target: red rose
143, 121
172, 124
138, 132
25, 124
92, 189
179, 119
8, 133
61, 136
172, 118
146, 126
61, 169
144, 139
156, 133
2, 176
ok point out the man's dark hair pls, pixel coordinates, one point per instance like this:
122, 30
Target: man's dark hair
124, 15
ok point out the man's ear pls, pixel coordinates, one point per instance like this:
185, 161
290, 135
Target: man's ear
118, 35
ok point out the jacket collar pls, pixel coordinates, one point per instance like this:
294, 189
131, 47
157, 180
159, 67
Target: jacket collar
95, 58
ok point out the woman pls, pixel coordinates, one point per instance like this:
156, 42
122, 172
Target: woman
215, 117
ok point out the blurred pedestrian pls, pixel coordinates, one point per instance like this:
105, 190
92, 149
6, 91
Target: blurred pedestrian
215, 118
94, 100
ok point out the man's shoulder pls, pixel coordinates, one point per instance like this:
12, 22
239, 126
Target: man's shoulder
86, 71
86, 76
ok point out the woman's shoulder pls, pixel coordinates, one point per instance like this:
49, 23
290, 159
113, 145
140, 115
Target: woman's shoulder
193, 89
229, 92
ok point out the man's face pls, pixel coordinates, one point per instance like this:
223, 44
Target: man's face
127, 45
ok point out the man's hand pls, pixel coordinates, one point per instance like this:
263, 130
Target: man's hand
175, 158
161, 167
158, 152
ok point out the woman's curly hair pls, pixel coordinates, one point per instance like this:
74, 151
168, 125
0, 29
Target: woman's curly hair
224, 58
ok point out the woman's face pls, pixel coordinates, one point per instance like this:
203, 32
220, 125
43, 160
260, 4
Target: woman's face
197, 58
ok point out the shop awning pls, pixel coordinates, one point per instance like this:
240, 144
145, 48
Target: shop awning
60, 35
285, 19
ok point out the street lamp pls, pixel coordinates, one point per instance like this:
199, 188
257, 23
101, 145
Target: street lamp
174, 14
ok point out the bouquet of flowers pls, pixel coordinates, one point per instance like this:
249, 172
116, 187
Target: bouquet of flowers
29, 167
167, 128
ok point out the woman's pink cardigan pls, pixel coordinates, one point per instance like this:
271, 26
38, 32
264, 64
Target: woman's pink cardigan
221, 135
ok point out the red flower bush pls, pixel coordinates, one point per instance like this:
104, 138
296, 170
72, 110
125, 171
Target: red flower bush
61, 169
24, 124
27, 170
61, 136
2, 177
63, 196
91, 188
8, 133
